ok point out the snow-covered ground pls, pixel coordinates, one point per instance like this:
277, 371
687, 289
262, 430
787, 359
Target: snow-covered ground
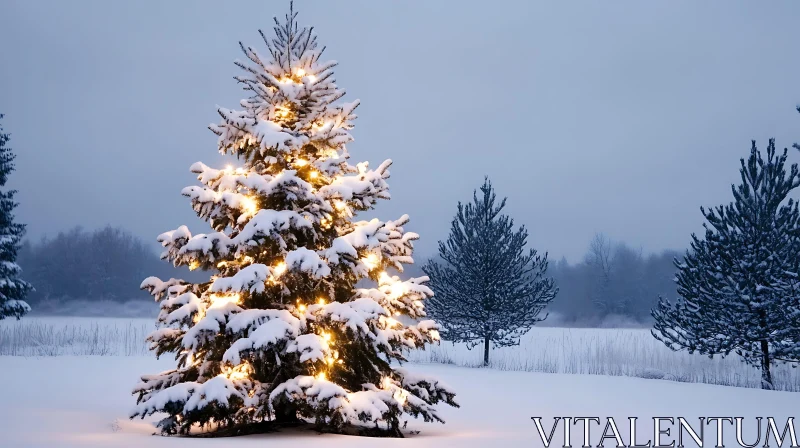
82, 396
71, 401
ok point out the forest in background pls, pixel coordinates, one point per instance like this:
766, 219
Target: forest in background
82, 272
98, 272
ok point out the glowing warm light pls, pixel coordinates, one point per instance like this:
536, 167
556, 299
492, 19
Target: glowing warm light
301, 72
326, 336
279, 269
190, 360
371, 260
329, 360
224, 299
301, 162
321, 376
301, 307
321, 301
194, 265
313, 174
240, 170
340, 205
222, 264
392, 322
397, 289
249, 205
228, 168
312, 78
400, 395
283, 112
240, 372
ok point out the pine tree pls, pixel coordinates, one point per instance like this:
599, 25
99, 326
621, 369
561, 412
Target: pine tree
13, 290
280, 333
738, 287
488, 289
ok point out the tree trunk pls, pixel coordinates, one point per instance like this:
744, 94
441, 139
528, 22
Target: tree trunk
286, 414
766, 374
486, 351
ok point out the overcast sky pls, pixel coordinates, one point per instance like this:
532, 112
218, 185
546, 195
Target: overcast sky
614, 117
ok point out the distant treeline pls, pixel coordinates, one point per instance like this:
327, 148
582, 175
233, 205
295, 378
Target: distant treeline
106, 264
614, 284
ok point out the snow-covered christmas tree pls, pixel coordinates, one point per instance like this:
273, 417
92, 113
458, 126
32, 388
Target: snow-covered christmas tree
280, 333
12, 289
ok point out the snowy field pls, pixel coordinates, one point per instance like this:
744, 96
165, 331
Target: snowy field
615, 352
72, 401
66, 382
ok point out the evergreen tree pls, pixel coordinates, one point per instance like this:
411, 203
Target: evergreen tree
488, 289
12, 289
280, 333
738, 287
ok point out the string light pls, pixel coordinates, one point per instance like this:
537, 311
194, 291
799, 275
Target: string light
397, 289
279, 269
194, 265
301, 72
313, 174
326, 336
321, 301
240, 372
300, 162
218, 300
340, 205
400, 395
371, 260
249, 205
322, 377
301, 307
283, 111
190, 359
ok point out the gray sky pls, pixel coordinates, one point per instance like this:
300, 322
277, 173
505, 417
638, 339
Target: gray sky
615, 117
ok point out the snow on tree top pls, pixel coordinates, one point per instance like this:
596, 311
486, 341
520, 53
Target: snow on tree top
266, 334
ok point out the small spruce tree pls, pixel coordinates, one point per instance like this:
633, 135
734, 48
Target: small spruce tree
488, 289
280, 333
738, 287
13, 290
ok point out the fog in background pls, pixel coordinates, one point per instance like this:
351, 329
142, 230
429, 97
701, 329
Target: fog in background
616, 119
